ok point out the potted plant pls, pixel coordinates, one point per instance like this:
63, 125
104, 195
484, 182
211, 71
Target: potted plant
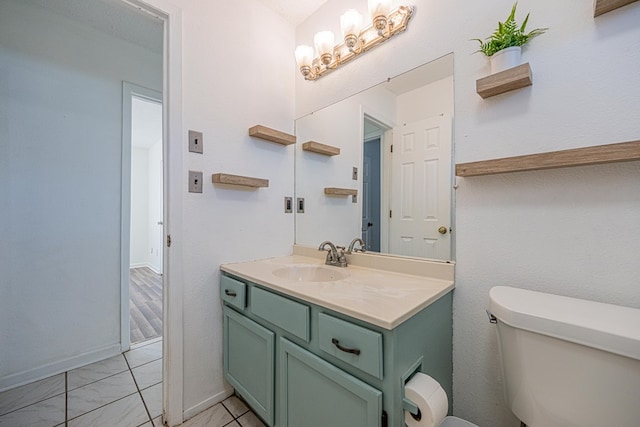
503, 47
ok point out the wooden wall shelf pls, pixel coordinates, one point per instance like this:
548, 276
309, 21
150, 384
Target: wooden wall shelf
504, 81
244, 181
272, 135
332, 191
603, 6
319, 148
611, 153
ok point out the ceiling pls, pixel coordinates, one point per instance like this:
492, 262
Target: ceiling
294, 11
115, 18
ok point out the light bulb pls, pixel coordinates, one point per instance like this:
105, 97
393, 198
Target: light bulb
324, 41
351, 24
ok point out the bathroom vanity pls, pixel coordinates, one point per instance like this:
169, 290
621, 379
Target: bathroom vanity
311, 345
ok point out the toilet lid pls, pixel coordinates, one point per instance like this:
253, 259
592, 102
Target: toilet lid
603, 326
455, 422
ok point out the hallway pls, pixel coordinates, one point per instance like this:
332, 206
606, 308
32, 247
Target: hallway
145, 296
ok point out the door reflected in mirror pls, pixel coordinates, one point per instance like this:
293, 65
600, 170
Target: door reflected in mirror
395, 144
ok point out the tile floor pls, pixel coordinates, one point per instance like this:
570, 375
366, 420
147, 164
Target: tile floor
123, 391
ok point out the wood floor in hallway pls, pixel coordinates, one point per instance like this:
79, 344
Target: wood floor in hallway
145, 294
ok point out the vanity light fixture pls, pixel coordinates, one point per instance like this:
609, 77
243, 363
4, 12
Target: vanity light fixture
385, 24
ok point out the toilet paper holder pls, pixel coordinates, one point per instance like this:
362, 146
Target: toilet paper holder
407, 404
412, 408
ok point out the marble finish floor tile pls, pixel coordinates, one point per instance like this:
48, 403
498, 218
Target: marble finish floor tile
250, 420
152, 397
29, 394
141, 355
46, 413
126, 412
96, 371
148, 374
233, 424
157, 422
216, 416
99, 393
236, 406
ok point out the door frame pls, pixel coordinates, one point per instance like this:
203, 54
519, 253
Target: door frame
129, 90
172, 326
385, 124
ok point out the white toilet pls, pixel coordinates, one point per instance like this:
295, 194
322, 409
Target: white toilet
568, 362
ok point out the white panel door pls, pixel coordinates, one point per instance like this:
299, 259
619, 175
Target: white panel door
421, 189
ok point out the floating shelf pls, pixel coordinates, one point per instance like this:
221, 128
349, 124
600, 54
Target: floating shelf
603, 6
332, 191
611, 153
319, 148
272, 135
244, 181
504, 81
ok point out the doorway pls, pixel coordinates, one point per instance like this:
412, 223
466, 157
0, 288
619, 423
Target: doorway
374, 192
146, 218
142, 213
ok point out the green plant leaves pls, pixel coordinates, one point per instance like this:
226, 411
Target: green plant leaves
508, 34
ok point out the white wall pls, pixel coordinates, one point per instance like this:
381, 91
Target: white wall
337, 219
139, 238
427, 101
155, 206
237, 72
571, 231
146, 207
60, 171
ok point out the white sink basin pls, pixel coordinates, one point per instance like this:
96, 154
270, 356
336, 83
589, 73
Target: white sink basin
311, 273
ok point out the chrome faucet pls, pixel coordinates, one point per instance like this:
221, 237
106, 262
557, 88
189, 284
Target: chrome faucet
353, 243
335, 255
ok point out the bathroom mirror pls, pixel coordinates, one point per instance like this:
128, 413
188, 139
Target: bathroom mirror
378, 165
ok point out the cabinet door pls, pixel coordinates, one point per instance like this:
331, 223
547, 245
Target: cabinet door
317, 394
249, 362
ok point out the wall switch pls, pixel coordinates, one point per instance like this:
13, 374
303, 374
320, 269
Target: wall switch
300, 205
288, 205
195, 182
354, 199
195, 142
354, 174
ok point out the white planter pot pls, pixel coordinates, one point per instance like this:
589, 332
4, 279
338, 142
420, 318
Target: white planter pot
505, 59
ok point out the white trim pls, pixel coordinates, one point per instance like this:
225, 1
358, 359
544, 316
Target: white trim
206, 404
57, 367
129, 90
386, 139
172, 361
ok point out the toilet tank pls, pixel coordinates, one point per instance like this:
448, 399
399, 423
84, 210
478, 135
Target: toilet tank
568, 362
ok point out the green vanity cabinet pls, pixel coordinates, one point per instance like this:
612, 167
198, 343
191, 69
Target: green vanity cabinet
314, 393
298, 364
249, 351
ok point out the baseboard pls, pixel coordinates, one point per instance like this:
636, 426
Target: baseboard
147, 265
45, 371
206, 404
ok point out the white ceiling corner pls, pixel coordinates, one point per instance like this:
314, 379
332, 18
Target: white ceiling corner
294, 11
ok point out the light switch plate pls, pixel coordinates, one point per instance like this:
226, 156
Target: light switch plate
195, 142
288, 205
195, 182
300, 205
354, 174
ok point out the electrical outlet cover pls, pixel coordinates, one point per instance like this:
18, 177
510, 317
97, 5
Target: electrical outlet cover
195, 182
195, 142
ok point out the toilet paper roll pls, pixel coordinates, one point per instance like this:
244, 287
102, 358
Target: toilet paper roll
426, 392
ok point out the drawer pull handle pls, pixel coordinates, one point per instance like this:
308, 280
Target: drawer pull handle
345, 349
230, 293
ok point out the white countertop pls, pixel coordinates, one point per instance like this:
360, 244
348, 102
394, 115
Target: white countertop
379, 297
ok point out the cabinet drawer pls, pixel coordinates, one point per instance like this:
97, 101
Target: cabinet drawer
351, 343
289, 315
233, 292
